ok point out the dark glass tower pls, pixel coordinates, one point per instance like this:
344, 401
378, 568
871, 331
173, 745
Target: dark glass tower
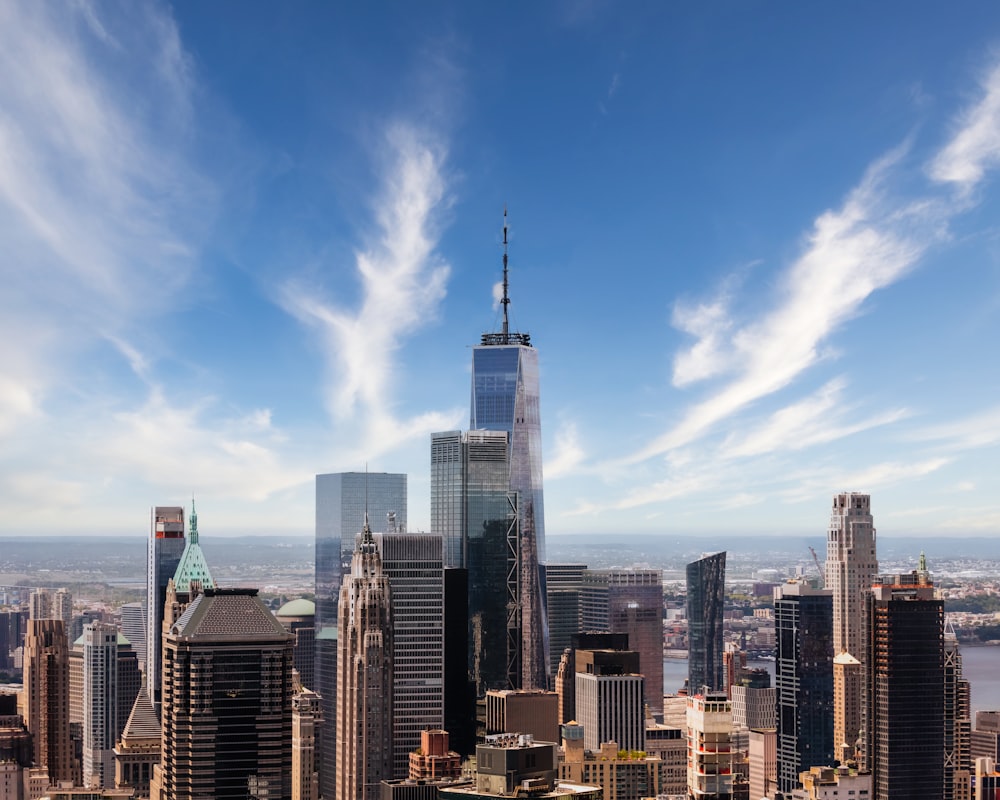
164, 551
706, 594
803, 621
903, 703
505, 397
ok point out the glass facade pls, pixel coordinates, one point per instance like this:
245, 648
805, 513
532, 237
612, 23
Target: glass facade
505, 397
706, 594
803, 621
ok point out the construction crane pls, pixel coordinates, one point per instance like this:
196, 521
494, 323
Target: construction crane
819, 569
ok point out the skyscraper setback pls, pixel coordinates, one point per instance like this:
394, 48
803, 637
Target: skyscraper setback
851, 567
505, 397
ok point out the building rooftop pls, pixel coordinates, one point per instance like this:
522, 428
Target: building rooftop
229, 615
297, 608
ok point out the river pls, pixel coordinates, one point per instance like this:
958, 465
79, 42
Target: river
980, 666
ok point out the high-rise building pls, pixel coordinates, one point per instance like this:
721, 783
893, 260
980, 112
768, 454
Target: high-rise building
903, 693
137, 751
754, 700
762, 758
413, 564
133, 624
803, 679
111, 681
459, 691
227, 701
530, 711
609, 698
299, 618
957, 720
706, 595
306, 714
342, 500
710, 750
851, 566
506, 397
163, 554
848, 678
985, 737
563, 587
621, 774
473, 508
364, 675
46, 687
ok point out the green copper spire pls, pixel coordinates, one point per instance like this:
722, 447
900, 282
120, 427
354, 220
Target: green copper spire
193, 566
923, 562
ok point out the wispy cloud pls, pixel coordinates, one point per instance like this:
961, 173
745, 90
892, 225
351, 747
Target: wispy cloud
867, 244
568, 455
403, 281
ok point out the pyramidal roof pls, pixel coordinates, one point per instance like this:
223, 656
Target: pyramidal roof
192, 566
227, 615
142, 722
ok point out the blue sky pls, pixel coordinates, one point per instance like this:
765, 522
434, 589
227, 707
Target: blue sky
756, 246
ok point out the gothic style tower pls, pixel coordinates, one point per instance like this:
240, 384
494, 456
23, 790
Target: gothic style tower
364, 676
851, 567
505, 397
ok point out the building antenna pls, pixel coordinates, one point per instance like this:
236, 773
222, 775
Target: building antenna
506, 299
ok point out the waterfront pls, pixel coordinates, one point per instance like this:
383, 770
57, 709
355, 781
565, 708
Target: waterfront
980, 666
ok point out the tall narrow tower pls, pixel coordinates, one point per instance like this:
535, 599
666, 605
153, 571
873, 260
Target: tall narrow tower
46, 685
163, 554
505, 397
851, 567
364, 676
706, 594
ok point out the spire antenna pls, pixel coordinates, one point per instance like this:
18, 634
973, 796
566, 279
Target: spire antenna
506, 298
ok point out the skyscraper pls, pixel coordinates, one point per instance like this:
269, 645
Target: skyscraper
609, 698
133, 617
166, 545
563, 588
306, 713
957, 721
505, 397
342, 500
706, 594
803, 620
46, 686
903, 695
111, 682
473, 508
364, 676
710, 750
413, 564
227, 701
851, 566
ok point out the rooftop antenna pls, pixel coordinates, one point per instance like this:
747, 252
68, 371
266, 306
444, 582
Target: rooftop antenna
506, 299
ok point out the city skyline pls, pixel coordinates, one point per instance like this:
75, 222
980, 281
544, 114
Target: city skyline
248, 245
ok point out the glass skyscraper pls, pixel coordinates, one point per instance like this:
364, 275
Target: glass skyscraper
706, 594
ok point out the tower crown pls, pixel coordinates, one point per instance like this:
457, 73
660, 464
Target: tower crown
505, 337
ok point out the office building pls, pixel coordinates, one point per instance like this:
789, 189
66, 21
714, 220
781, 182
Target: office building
984, 741
46, 688
609, 698
848, 679
851, 566
563, 587
829, 783
227, 695
341, 502
958, 763
669, 744
710, 756
530, 711
506, 397
133, 625
565, 682
706, 595
459, 690
987, 780
137, 751
163, 554
413, 564
111, 681
754, 700
306, 714
621, 774
473, 508
762, 760
365, 664
434, 760
513, 766
299, 618
903, 692
803, 680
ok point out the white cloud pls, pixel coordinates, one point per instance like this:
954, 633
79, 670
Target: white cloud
569, 454
818, 419
978, 430
976, 144
403, 282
